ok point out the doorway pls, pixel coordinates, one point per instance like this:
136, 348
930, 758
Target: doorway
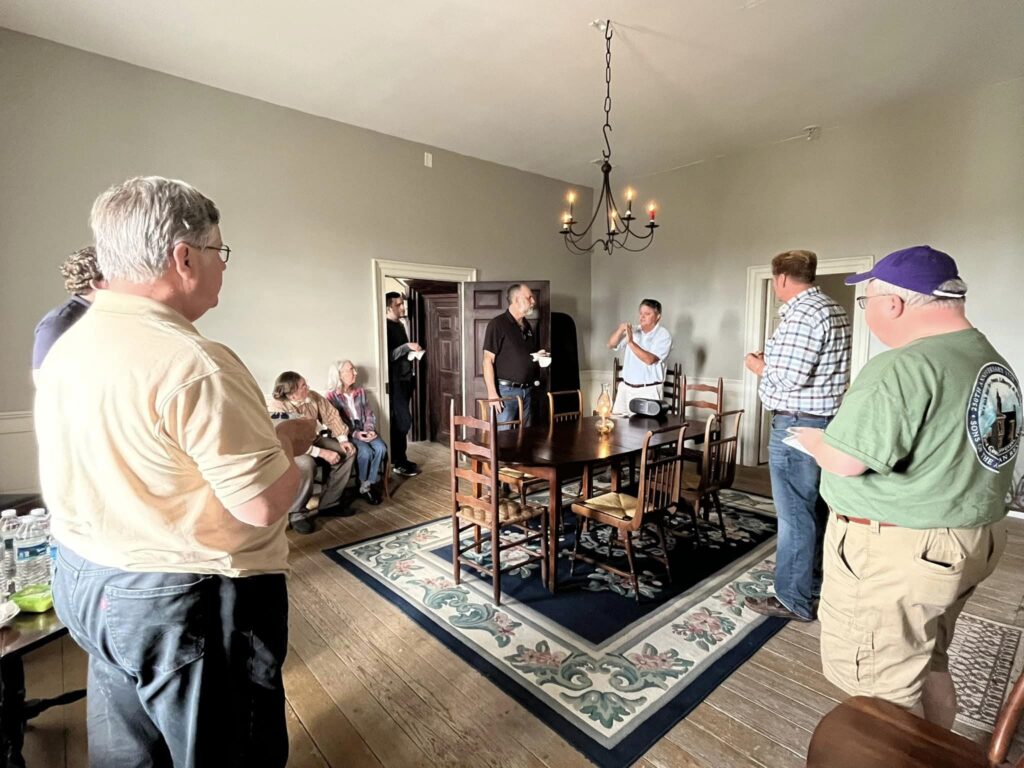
402, 275
435, 323
761, 321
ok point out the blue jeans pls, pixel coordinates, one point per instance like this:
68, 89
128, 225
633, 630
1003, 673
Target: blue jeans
511, 411
369, 456
184, 669
802, 515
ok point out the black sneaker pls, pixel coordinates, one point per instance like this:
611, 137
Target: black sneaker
406, 471
370, 496
303, 525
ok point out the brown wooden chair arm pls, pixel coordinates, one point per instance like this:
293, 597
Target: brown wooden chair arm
1006, 726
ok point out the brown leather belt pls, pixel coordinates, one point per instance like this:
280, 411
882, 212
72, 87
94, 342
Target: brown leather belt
864, 521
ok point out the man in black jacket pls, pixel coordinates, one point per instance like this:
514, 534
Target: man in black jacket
400, 384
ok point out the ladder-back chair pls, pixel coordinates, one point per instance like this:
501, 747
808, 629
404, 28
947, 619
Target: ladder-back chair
657, 494
716, 469
520, 482
566, 405
477, 502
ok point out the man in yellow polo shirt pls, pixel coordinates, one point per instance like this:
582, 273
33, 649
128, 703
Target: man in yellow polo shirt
168, 486
917, 464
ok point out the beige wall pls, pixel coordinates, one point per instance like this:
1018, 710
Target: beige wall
306, 204
946, 171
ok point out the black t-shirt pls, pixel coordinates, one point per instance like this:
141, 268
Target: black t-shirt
512, 346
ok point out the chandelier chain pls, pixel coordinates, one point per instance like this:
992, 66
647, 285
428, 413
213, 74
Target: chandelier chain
608, 89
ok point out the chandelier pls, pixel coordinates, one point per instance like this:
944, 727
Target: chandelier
620, 232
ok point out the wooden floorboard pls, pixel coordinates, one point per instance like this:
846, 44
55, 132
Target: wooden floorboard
366, 686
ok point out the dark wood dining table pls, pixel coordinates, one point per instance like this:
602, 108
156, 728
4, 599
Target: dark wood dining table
570, 449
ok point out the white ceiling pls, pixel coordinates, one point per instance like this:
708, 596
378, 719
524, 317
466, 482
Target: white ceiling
521, 82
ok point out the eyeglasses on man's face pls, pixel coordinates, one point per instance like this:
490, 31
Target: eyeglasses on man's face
223, 251
862, 301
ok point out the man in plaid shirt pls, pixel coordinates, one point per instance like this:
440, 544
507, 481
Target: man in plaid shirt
804, 370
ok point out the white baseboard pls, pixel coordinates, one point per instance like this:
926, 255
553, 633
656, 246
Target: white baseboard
1016, 514
19, 472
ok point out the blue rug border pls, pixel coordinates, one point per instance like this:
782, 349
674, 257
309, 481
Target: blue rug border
631, 748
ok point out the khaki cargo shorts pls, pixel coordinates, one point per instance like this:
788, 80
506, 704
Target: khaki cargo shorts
890, 600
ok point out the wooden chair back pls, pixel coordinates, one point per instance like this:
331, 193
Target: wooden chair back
474, 462
672, 391
661, 473
1006, 725
709, 397
863, 732
721, 443
487, 405
566, 405
616, 378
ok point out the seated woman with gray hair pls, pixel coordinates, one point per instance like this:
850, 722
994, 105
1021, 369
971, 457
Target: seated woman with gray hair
355, 410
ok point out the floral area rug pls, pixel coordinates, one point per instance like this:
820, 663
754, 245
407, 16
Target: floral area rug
608, 674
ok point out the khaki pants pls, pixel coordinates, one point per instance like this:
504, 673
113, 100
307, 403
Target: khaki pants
890, 600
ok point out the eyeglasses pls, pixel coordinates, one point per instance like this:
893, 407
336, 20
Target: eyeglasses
862, 301
224, 251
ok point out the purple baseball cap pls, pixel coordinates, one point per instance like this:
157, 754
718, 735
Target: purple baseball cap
921, 269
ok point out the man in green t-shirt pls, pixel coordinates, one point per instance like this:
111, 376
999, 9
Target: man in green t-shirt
916, 467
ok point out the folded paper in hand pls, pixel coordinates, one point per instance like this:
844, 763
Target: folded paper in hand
793, 442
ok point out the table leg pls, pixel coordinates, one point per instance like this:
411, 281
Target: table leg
12, 711
616, 475
554, 519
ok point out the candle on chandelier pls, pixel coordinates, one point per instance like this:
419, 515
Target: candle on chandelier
629, 201
652, 211
572, 199
611, 223
566, 218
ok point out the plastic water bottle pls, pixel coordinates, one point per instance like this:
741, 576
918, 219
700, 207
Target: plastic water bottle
51, 545
9, 524
31, 553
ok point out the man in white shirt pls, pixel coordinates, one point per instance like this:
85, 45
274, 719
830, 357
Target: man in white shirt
646, 348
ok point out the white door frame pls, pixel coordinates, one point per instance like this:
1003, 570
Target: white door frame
757, 306
383, 269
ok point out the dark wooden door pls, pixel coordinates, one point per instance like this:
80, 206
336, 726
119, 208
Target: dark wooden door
444, 367
483, 301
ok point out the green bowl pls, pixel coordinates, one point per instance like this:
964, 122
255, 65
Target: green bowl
34, 599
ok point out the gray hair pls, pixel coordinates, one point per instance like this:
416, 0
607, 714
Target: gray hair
136, 224
915, 299
511, 291
334, 374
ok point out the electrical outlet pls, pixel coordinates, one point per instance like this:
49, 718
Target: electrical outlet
428, 159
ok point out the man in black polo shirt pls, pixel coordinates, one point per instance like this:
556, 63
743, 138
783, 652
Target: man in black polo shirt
509, 369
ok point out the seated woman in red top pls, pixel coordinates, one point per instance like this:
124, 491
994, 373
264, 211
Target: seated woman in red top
351, 403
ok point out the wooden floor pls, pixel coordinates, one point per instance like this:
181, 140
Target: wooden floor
367, 687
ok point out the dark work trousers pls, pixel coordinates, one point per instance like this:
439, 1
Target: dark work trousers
184, 669
401, 422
